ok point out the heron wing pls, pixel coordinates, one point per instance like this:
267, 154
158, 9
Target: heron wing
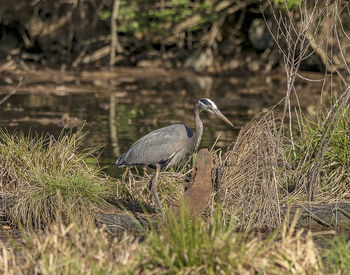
158, 146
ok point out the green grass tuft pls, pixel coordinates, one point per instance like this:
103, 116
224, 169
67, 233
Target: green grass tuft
191, 245
188, 245
328, 147
47, 178
337, 258
338, 152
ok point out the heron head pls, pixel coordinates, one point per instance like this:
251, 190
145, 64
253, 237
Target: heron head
208, 105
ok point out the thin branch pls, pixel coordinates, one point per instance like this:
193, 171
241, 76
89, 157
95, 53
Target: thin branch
12, 92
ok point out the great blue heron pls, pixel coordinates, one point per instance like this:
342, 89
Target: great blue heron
168, 146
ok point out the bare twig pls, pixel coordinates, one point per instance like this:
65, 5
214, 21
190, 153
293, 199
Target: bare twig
12, 92
292, 40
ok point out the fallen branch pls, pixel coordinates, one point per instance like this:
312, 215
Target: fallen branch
12, 92
324, 215
97, 55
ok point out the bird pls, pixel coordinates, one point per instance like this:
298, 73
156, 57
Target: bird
166, 147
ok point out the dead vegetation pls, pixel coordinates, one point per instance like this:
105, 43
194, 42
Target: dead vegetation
252, 181
270, 164
182, 247
62, 249
321, 29
137, 196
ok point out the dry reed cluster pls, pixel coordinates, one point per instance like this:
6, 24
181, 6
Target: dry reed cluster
252, 179
264, 169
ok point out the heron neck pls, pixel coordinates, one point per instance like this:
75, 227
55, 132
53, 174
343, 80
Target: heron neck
199, 128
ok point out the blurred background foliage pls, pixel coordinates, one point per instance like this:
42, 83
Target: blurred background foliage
76, 32
151, 17
203, 35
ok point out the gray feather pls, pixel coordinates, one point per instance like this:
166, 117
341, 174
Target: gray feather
166, 146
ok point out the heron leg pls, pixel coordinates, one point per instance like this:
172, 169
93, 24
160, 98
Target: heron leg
153, 187
125, 173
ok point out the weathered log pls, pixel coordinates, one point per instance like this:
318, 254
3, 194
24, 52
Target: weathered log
198, 193
321, 216
131, 222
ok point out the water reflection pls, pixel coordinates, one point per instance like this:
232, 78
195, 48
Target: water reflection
118, 111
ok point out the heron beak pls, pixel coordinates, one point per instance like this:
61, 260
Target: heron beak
222, 117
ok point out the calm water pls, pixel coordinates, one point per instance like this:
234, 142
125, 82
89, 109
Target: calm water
118, 108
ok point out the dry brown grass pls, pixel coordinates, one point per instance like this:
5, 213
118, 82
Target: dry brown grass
64, 249
295, 253
263, 171
170, 189
251, 180
180, 248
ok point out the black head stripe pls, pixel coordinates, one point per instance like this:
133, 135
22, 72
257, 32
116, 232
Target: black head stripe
205, 102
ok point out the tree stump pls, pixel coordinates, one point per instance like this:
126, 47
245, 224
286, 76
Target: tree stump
199, 191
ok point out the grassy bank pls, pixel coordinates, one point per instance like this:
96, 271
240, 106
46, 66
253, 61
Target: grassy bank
54, 196
190, 246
